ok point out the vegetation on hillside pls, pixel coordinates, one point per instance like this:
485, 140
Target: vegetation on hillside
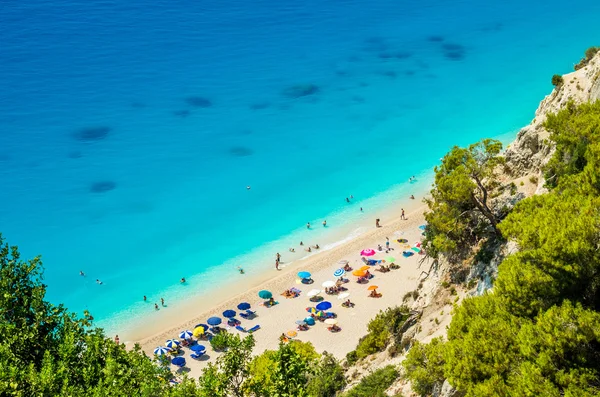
538, 333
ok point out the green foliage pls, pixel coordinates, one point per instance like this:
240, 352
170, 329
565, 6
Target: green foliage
375, 384
290, 374
589, 54
382, 328
575, 130
46, 350
459, 209
557, 80
424, 366
220, 341
328, 378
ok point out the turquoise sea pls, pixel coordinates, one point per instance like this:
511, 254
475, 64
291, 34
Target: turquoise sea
129, 131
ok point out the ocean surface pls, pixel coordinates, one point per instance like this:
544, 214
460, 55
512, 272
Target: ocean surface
129, 131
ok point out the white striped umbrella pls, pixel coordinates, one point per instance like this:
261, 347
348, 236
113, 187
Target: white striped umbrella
339, 272
187, 334
172, 343
160, 351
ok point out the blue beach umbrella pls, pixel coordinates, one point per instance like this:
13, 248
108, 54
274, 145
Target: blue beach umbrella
160, 351
229, 314
304, 275
198, 348
172, 343
264, 294
185, 334
309, 320
178, 361
244, 306
422, 227
324, 305
339, 272
214, 321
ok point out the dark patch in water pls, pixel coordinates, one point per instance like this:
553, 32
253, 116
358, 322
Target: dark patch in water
389, 73
91, 134
259, 105
75, 154
138, 105
102, 186
240, 151
181, 113
395, 55
300, 90
375, 44
198, 102
409, 72
358, 99
363, 84
455, 52
495, 27
435, 39
341, 73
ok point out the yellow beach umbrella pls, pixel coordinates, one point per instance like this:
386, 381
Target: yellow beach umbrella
199, 331
292, 334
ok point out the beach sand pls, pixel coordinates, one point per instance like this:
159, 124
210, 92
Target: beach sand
281, 318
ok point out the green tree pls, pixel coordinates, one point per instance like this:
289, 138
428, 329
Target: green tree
557, 80
47, 350
460, 210
375, 384
424, 366
327, 379
290, 373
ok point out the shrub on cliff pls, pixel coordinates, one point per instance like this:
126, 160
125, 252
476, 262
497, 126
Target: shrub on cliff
557, 80
375, 384
589, 54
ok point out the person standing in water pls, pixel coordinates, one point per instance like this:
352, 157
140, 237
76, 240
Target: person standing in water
276, 264
324, 223
162, 302
308, 225
278, 257
377, 223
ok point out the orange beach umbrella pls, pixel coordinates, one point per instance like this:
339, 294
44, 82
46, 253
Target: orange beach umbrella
359, 273
365, 268
372, 288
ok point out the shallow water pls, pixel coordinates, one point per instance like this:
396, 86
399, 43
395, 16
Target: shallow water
129, 132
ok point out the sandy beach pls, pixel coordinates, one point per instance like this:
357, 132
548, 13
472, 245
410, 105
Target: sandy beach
281, 318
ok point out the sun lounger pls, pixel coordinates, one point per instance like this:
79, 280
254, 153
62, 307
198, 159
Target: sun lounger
196, 355
255, 328
240, 328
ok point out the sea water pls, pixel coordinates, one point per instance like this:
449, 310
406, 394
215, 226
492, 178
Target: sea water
130, 131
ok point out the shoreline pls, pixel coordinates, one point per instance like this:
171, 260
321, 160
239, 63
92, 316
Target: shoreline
280, 318
147, 324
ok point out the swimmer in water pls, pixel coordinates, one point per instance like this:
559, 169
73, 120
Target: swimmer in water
145, 299
248, 187
240, 270
412, 196
98, 281
156, 306
81, 273
347, 200
182, 280
308, 225
301, 243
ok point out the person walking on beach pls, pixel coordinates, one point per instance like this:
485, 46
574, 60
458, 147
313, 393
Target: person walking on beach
117, 339
162, 302
278, 257
402, 216
387, 244
276, 264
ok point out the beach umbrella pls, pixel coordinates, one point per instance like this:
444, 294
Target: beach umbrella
309, 320
372, 288
198, 331
300, 322
311, 310
368, 252
390, 259
304, 274
313, 292
178, 361
339, 272
244, 306
416, 249
160, 350
422, 227
343, 295
172, 343
264, 294
203, 326
198, 348
214, 321
229, 314
331, 321
328, 284
324, 305
418, 244
364, 268
292, 334
185, 334
343, 262
359, 273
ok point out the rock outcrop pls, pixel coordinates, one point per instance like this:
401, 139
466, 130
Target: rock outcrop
528, 153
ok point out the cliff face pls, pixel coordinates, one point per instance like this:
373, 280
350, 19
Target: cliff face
528, 153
